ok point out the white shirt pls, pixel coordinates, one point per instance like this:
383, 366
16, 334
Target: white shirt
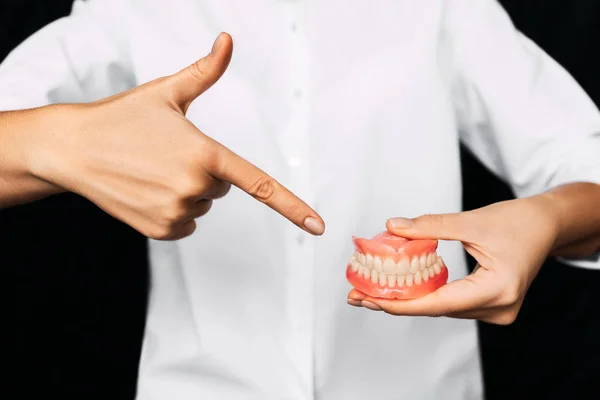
357, 107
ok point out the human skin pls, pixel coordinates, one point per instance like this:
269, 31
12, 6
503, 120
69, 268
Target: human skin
510, 241
137, 156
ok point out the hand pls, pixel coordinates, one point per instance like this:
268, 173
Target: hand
137, 157
510, 241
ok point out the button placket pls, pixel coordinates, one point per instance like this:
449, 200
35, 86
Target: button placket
299, 254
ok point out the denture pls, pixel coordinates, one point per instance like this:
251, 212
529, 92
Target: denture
392, 267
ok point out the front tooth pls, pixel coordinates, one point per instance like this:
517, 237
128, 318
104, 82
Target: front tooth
423, 261
382, 279
409, 280
430, 259
414, 265
389, 267
374, 276
418, 278
403, 267
377, 264
369, 260
361, 258
391, 280
437, 267
400, 280
426, 274
367, 273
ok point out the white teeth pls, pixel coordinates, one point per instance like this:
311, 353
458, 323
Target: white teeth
377, 264
389, 267
367, 273
423, 261
414, 265
374, 276
391, 280
400, 280
417, 278
361, 258
382, 279
402, 267
369, 261
405, 272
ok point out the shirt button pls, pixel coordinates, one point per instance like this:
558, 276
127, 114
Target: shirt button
297, 93
300, 238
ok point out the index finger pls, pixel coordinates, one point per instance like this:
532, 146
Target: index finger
241, 173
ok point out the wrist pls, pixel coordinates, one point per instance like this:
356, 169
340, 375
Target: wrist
549, 205
18, 182
37, 147
574, 209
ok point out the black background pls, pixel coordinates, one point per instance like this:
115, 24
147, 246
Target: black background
77, 280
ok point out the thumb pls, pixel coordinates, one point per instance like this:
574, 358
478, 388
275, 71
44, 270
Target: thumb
191, 82
453, 226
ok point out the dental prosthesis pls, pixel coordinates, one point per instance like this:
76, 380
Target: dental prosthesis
392, 267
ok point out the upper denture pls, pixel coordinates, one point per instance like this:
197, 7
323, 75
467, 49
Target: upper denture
387, 245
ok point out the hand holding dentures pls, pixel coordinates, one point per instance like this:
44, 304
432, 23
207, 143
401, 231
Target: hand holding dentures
400, 272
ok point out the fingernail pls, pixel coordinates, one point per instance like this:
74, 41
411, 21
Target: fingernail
315, 226
354, 303
371, 306
401, 223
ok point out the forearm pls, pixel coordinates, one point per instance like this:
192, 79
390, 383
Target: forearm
576, 209
19, 149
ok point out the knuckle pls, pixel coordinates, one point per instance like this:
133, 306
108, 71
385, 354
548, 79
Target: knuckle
505, 318
226, 189
203, 209
188, 186
295, 211
263, 188
509, 296
198, 71
174, 213
189, 229
160, 232
211, 159
432, 219
171, 215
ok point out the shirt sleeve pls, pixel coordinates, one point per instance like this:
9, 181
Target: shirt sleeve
521, 114
78, 58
